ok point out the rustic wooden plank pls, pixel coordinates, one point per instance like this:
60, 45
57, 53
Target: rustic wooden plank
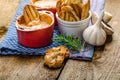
113, 7
31, 68
105, 64
25, 68
7, 11
106, 67
20, 67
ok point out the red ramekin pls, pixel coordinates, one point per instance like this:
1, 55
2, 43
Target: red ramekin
36, 38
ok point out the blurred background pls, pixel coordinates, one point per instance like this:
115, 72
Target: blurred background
7, 11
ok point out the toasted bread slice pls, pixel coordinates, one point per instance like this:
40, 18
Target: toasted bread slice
30, 13
58, 6
85, 10
70, 10
77, 10
69, 2
26, 17
32, 1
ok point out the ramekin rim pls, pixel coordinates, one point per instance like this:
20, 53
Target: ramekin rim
52, 23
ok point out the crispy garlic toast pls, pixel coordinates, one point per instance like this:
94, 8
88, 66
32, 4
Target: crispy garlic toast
30, 13
85, 10
55, 57
72, 10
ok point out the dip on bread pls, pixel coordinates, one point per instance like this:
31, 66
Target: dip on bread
32, 19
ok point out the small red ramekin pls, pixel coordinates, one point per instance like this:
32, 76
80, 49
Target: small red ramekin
52, 9
36, 38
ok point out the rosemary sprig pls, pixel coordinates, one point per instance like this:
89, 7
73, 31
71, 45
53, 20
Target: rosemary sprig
70, 41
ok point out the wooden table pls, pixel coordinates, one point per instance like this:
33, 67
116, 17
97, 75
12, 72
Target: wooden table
104, 66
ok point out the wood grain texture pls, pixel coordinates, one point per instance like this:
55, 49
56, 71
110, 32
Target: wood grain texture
104, 66
113, 6
7, 11
25, 68
106, 63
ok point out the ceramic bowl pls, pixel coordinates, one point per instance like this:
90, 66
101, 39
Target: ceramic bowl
35, 38
73, 28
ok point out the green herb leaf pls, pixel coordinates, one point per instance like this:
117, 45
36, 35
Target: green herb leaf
70, 41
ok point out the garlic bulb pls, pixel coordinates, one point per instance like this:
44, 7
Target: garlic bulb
94, 34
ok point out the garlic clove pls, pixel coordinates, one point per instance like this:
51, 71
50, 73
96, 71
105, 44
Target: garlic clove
108, 29
101, 38
92, 40
107, 17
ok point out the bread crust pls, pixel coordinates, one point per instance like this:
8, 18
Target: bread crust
55, 57
72, 10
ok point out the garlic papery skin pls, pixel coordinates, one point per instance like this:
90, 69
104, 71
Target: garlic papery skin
94, 34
